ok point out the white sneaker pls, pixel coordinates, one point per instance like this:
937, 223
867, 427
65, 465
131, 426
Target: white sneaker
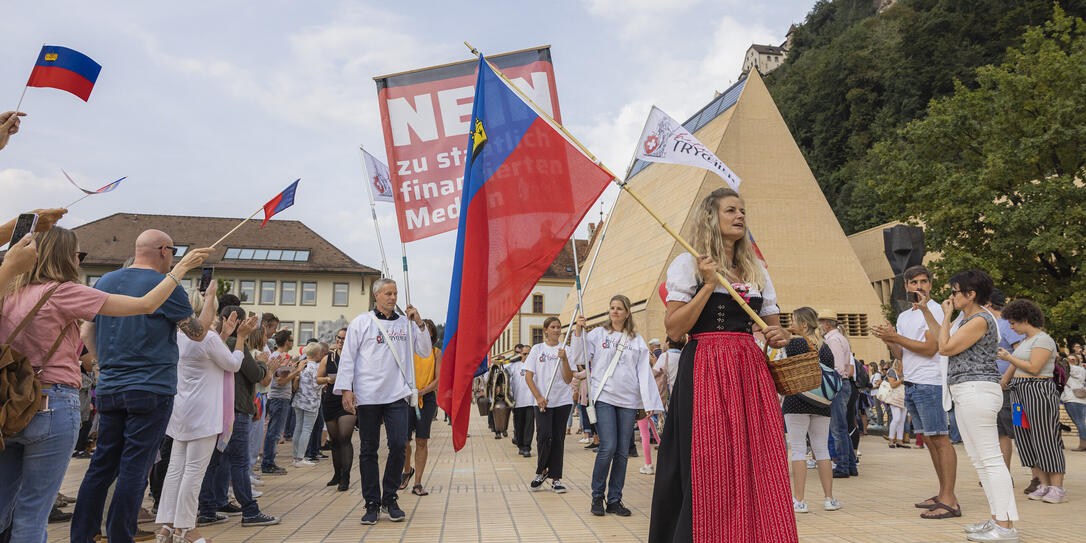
1002, 535
831, 504
302, 463
980, 527
812, 464
585, 440
648, 470
798, 506
257, 493
253, 481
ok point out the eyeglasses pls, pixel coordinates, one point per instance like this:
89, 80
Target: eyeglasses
341, 338
173, 250
955, 292
81, 255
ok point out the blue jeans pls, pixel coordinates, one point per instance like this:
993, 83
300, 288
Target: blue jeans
33, 463
842, 443
313, 448
276, 413
256, 433
925, 406
1077, 412
585, 425
615, 428
230, 466
302, 431
394, 415
131, 426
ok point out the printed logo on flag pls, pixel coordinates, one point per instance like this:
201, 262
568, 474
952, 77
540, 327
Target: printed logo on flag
50, 56
656, 144
382, 186
665, 140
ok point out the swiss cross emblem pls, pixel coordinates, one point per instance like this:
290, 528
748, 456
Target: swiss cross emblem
378, 184
651, 143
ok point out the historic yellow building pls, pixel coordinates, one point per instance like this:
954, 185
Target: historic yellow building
810, 259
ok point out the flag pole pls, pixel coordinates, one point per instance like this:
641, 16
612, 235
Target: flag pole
21, 96
625, 186
77, 201
240, 224
580, 304
373, 212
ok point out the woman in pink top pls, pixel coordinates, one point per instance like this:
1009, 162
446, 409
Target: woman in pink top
34, 460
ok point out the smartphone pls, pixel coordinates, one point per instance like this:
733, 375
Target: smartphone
205, 278
24, 225
912, 297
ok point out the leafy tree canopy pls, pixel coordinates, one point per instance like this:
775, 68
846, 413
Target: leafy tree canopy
994, 171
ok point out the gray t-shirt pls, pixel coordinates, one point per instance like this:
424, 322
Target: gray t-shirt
275, 390
978, 362
1039, 340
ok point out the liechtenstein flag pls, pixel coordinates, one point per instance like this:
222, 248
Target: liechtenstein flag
65, 69
526, 188
282, 201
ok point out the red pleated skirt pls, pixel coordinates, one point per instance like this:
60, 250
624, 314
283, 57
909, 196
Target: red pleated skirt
739, 468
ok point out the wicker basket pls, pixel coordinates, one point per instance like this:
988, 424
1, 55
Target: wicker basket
796, 374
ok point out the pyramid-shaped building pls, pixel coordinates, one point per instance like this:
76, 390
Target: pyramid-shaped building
810, 259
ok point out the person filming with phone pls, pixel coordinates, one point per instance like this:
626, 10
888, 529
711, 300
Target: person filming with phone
377, 381
918, 348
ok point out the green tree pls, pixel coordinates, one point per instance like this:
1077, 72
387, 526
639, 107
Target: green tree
995, 173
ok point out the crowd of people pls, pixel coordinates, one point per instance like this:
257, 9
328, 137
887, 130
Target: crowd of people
189, 393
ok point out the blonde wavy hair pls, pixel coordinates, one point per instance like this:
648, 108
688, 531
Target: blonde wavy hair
805, 323
628, 326
709, 241
56, 259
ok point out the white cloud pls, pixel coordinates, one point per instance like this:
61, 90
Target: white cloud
638, 17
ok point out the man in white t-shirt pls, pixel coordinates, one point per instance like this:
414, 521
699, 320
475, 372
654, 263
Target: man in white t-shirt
918, 349
524, 408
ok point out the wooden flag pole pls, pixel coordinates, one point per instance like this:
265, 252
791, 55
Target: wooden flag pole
226, 235
625, 186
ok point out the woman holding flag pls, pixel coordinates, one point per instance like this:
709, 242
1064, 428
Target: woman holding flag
722, 473
621, 383
552, 411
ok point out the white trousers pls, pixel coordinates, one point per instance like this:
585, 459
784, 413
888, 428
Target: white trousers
181, 488
897, 422
976, 405
799, 426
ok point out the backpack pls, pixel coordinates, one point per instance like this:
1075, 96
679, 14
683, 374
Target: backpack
20, 388
863, 379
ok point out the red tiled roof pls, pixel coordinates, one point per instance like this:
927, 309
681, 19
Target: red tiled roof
562, 267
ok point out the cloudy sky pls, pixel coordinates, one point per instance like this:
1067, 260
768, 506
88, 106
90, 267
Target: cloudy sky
211, 108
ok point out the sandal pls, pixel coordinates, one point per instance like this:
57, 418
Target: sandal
922, 505
950, 512
406, 478
419, 491
902, 446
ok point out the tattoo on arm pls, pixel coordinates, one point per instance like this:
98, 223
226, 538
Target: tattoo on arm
191, 327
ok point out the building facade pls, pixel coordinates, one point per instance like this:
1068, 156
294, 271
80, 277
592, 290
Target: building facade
285, 268
765, 58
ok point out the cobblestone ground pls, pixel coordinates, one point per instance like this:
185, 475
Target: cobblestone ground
480, 494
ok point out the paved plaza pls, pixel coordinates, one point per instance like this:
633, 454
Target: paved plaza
481, 494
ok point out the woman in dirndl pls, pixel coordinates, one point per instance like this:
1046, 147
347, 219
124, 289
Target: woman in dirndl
722, 472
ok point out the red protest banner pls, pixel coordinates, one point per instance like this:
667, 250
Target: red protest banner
425, 115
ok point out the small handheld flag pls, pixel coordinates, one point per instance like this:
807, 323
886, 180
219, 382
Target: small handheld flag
65, 69
282, 201
103, 190
1018, 416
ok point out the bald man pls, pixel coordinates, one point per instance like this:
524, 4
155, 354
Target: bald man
137, 357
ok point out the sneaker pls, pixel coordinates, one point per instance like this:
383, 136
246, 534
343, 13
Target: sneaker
1033, 484
274, 470
230, 509
798, 506
253, 481
584, 440
597, 507
302, 463
1055, 494
647, 469
256, 493
831, 504
537, 483
395, 514
812, 464
592, 446
56, 515
618, 509
313, 459
996, 533
206, 521
373, 511
980, 527
259, 520
558, 487
1039, 493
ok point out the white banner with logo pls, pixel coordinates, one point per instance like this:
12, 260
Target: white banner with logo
665, 140
378, 172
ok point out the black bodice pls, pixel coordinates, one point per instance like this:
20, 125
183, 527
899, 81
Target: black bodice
723, 314
330, 367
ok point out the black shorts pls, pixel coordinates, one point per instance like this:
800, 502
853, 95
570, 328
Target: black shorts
1004, 423
332, 408
421, 428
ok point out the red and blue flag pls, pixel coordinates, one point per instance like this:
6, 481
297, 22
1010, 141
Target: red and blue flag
282, 201
526, 188
65, 69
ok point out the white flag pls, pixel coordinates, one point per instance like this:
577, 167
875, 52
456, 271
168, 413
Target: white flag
379, 180
665, 140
